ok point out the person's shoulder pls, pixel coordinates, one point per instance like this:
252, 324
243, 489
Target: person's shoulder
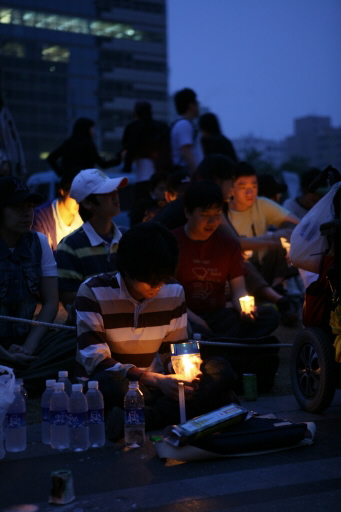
224, 238
172, 288
181, 123
105, 280
271, 205
74, 239
45, 207
177, 232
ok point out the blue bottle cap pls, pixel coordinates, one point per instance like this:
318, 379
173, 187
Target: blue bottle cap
191, 347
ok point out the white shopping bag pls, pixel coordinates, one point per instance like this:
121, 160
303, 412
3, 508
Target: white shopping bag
307, 245
7, 380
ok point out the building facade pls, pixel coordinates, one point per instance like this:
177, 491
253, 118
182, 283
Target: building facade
316, 140
65, 59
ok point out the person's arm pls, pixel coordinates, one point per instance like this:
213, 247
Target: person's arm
48, 312
70, 275
192, 317
238, 289
167, 384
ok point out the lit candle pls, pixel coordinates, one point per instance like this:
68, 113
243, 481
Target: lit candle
247, 304
285, 244
186, 361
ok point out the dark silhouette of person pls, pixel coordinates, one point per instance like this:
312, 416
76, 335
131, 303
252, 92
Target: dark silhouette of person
212, 139
78, 152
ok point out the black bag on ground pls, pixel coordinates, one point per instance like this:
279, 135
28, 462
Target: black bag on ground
253, 435
261, 361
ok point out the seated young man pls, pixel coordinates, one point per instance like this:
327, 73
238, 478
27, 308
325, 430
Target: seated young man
221, 170
28, 275
208, 259
251, 216
91, 249
125, 319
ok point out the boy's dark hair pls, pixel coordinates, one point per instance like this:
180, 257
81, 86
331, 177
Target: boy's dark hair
209, 123
148, 252
143, 109
203, 194
244, 169
83, 212
156, 178
216, 168
183, 99
177, 182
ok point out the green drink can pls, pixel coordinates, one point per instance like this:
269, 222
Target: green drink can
250, 386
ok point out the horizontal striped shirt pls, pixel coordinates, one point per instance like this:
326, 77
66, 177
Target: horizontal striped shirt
118, 333
84, 254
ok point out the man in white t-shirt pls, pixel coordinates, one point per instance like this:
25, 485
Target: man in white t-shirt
183, 139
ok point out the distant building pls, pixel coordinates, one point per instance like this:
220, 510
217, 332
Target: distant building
316, 140
270, 150
64, 59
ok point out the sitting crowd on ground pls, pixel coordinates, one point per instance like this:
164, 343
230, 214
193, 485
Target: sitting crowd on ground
200, 239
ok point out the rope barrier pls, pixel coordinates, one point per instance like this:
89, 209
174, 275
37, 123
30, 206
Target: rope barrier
201, 342
245, 345
36, 322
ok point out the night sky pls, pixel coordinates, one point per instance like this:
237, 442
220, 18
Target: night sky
258, 64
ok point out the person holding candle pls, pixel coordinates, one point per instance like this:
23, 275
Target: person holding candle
126, 322
251, 216
208, 259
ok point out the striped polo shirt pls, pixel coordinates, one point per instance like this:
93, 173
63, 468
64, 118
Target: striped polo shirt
118, 333
83, 254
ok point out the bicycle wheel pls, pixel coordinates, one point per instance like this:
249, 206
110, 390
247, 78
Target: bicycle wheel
312, 368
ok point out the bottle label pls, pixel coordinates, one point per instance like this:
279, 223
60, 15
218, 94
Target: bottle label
134, 416
45, 414
58, 418
78, 419
16, 419
96, 416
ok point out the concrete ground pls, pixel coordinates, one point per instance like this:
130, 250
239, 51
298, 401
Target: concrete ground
112, 478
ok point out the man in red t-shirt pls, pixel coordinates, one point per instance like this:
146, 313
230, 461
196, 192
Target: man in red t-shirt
208, 260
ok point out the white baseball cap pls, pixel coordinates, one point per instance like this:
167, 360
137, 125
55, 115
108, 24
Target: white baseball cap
94, 181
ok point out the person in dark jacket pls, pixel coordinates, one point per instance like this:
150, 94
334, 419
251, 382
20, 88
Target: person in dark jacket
212, 140
78, 152
28, 277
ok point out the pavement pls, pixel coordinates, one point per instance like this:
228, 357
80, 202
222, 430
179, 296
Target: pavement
113, 478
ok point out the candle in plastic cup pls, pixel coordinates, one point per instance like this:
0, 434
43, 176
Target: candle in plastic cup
247, 304
186, 359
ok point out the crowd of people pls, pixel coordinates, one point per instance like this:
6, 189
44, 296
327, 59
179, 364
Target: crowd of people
200, 238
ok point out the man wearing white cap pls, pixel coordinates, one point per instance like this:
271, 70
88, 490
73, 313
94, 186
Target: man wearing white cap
90, 250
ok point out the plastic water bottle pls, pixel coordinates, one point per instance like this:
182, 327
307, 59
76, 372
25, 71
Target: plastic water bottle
134, 427
96, 414
15, 435
63, 377
58, 418
78, 420
45, 411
